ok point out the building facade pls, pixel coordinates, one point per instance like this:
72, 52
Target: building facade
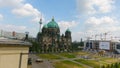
107, 45
50, 39
13, 53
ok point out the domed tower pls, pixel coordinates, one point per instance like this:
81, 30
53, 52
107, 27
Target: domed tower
53, 29
50, 33
51, 40
53, 26
68, 39
68, 33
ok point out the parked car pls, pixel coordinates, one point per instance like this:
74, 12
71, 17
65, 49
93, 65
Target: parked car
39, 60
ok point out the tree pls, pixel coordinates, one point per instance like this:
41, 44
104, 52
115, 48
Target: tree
103, 66
116, 65
35, 47
108, 66
81, 43
112, 66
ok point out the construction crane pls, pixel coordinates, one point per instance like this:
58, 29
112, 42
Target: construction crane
105, 34
96, 36
117, 37
101, 37
88, 38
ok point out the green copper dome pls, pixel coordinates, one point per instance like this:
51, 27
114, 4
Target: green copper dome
45, 26
68, 30
52, 24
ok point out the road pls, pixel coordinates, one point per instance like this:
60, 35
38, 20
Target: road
44, 64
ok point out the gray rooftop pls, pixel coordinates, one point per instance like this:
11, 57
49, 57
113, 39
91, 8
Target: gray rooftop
13, 42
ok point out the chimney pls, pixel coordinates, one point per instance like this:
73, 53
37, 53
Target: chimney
13, 33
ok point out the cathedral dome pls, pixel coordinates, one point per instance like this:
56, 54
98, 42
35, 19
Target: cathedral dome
68, 30
45, 26
52, 24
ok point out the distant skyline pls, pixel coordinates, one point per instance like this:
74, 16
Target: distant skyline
83, 17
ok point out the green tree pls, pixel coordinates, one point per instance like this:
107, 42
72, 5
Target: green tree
116, 65
35, 47
112, 66
108, 66
119, 65
103, 66
81, 42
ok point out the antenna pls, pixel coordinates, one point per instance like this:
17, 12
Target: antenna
40, 22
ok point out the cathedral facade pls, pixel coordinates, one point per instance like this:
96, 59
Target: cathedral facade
50, 39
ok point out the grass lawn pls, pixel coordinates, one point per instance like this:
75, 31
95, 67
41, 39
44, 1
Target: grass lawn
80, 53
110, 60
67, 55
96, 64
67, 64
48, 56
92, 63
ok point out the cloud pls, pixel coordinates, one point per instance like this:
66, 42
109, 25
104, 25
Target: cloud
10, 27
11, 3
104, 5
27, 10
94, 6
67, 24
84, 6
1, 17
104, 24
76, 36
100, 21
22, 9
95, 17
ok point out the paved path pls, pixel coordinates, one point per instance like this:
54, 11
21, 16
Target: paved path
44, 64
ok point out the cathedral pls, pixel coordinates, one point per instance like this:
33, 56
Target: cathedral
50, 39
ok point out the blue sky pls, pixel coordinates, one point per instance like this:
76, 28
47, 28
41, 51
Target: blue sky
85, 18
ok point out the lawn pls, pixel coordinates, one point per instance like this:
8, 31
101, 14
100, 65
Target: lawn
80, 53
67, 64
110, 60
92, 63
97, 63
48, 56
67, 55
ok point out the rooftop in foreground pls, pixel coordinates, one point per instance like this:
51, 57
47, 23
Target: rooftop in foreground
7, 41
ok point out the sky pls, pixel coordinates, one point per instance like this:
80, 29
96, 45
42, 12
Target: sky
85, 18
